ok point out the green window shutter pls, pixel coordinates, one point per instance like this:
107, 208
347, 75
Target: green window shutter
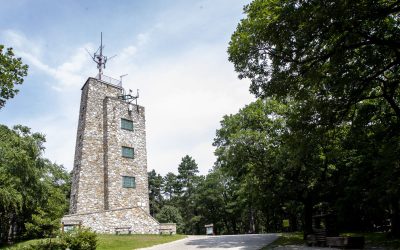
128, 152
128, 182
126, 124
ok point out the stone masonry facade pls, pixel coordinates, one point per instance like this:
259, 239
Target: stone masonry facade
99, 199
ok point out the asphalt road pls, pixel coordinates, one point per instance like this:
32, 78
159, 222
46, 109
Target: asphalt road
234, 242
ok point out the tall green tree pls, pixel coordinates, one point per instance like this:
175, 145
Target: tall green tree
12, 73
342, 51
188, 181
171, 186
33, 191
156, 199
187, 175
339, 60
279, 153
248, 144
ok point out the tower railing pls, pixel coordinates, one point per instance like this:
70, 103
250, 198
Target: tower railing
109, 80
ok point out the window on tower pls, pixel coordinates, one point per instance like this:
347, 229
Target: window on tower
128, 182
127, 152
126, 124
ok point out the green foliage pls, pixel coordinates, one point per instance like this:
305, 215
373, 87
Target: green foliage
170, 185
47, 244
335, 66
105, 242
187, 175
170, 214
342, 51
33, 191
82, 239
12, 72
156, 183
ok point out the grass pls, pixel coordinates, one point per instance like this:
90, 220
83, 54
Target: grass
377, 240
120, 242
20, 244
134, 241
372, 240
286, 239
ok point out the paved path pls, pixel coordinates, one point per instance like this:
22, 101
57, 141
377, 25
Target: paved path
232, 242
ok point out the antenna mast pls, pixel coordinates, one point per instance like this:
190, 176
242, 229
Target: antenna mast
99, 59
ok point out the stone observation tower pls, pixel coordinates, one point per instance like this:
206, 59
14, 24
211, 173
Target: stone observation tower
110, 186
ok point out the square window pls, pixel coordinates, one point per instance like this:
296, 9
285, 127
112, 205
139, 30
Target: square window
126, 124
127, 152
128, 182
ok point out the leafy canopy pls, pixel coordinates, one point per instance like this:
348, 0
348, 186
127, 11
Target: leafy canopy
340, 52
12, 72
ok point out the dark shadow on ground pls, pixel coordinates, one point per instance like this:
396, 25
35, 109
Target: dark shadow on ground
245, 242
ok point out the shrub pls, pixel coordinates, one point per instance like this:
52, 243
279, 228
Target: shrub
49, 244
170, 214
82, 239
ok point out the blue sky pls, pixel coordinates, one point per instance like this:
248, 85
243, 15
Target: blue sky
174, 52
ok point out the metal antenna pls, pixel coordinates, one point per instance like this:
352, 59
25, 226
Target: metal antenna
99, 59
120, 77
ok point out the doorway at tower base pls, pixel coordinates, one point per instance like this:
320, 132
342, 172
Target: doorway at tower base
134, 219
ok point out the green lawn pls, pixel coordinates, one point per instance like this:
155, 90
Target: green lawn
120, 242
134, 241
20, 244
378, 240
371, 240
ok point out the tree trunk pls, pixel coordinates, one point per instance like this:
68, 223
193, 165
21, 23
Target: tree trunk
308, 212
234, 226
292, 223
251, 220
395, 218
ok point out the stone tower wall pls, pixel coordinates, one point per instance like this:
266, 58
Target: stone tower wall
87, 193
98, 199
118, 166
107, 221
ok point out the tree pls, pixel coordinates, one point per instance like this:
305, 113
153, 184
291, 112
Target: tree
170, 214
187, 174
211, 201
248, 146
339, 62
156, 183
279, 153
12, 72
33, 191
343, 52
170, 185
188, 181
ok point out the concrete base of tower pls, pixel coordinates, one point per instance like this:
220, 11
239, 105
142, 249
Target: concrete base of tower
133, 219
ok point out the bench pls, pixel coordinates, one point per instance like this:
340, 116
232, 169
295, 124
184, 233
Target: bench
123, 229
166, 230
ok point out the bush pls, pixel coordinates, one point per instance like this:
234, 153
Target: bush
48, 245
170, 214
82, 239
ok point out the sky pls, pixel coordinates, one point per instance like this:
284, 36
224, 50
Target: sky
174, 52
